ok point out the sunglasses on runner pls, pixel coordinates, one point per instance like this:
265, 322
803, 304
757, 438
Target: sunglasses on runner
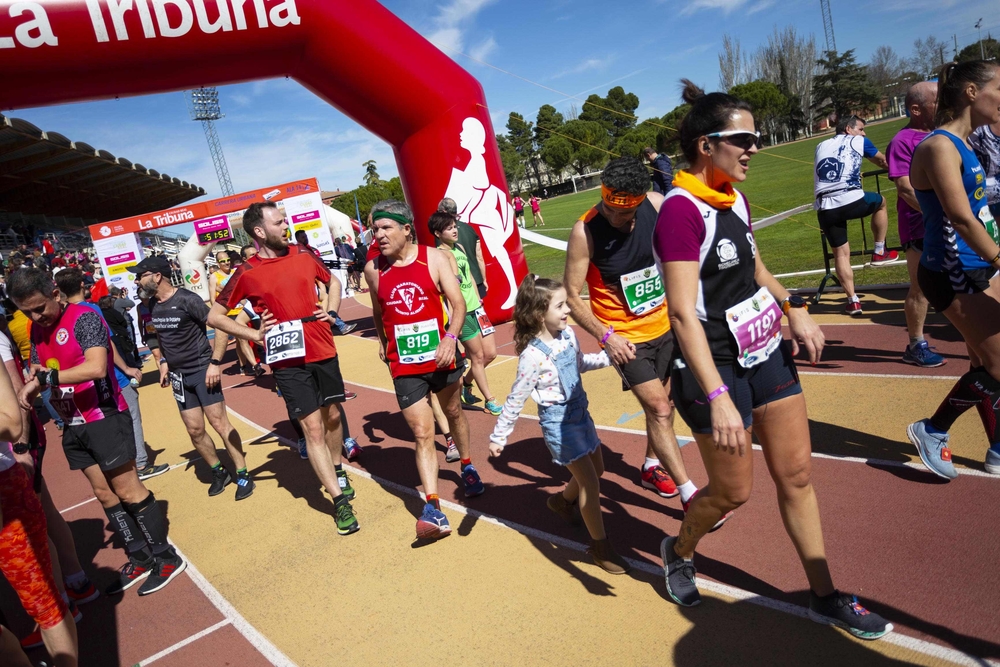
740, 138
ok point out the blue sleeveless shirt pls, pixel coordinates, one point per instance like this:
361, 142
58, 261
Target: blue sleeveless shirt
944, 250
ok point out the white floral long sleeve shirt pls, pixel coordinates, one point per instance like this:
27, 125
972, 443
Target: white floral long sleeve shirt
537, 377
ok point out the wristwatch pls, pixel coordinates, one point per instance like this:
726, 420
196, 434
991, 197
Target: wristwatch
214, 362
793, 301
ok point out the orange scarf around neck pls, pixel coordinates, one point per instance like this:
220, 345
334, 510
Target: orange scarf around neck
712, 197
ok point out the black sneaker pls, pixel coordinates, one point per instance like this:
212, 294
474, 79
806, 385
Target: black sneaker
131, 573
844, 611
679, 574
150, 470
220, 480
163, 572
244, 486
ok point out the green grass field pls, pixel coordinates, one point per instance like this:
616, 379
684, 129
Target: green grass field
780, 179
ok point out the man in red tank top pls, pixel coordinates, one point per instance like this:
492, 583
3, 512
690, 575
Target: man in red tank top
70, 347
408, 281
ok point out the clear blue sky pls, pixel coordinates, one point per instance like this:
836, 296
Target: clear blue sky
574, 46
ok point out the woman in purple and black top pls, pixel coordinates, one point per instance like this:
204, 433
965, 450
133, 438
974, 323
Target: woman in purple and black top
733, 373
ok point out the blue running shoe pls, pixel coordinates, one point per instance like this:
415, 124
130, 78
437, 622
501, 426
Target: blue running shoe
922, 355
432, 524
303, 450
352, 449
473, 485
993, 461
933, 449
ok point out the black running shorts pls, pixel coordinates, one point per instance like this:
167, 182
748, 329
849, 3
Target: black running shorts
749, 388
652, 362
833, 221
196, 393
311, 386
940, 287
108, 443
412, 388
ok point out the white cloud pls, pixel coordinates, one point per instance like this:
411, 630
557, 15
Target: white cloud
725, 6
482, 51
452, 25
759, 6
589, 65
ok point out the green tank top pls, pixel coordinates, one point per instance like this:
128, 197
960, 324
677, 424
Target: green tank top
465, 281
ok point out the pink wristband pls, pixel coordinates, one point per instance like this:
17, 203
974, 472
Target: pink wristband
607, 335
448, 334
718, 392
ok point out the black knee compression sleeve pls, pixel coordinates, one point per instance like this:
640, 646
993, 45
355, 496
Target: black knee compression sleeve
149, 516
974, 387
127, 529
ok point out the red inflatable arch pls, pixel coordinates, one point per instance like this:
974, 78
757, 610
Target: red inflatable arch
354, 54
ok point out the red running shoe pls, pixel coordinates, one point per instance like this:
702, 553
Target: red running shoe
718, 524
657, 479
884, 258
84, 593
853, 308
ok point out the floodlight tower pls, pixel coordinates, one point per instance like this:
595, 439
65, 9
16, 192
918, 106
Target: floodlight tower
203, 104
831, 43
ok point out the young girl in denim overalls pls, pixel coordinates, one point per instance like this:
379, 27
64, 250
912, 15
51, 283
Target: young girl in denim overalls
549, 371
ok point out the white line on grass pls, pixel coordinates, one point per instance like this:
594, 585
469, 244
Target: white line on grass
911, 643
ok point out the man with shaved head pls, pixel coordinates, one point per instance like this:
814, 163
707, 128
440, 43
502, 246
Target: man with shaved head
921, 105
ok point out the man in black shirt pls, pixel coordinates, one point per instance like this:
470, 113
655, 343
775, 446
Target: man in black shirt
179, 317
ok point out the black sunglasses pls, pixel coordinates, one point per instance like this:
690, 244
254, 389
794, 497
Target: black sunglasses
740, 138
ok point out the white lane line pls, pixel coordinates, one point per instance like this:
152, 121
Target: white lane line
73, 507
259, 641
911, 643
184, 642
683, 439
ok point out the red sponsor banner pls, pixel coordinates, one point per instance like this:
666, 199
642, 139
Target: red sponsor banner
201, 210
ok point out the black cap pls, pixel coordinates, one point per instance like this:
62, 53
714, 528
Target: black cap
155, 264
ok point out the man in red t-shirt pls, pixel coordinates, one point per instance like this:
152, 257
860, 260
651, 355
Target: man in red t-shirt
300, 348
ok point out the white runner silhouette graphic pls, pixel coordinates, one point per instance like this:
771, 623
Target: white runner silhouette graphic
482, 204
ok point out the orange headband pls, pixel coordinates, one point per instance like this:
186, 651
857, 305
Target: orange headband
618, 199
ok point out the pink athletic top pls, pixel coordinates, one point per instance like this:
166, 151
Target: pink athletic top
535, 205
62, 346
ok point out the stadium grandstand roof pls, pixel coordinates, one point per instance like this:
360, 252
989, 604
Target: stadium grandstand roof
46, 173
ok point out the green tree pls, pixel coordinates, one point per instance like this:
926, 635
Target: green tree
770, 105
521, 136
667, 138
615, 113
371, 172
557, 152
513, 167
368, 195
589, 139
843, 87
548, 119
632, 142
991, 48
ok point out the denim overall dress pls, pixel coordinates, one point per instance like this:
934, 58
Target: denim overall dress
567, 427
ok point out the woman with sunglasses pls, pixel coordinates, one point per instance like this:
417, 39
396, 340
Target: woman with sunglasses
733, 372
